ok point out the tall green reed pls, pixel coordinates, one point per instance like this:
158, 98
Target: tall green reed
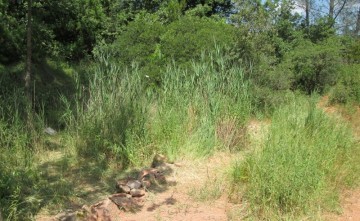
201, 97
17, 155
121, 116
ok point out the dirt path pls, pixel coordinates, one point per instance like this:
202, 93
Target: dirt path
195, 191
351, 206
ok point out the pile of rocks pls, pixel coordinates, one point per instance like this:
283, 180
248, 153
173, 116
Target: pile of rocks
129, 197
130, 190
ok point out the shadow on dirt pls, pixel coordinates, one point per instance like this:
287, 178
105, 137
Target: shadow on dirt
168, 201
65, 185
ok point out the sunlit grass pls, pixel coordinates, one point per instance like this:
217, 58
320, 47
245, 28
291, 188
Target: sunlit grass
305, 161
121, 117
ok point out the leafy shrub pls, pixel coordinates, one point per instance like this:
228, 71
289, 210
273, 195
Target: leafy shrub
188, 37
341, 94
352, 50
348, 87
267, 100
139, 40
153, 45
315, 66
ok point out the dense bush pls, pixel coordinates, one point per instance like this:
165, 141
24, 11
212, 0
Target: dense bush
348, 87
194, 35
153, 45
315, 67
352, 50
139, 40
12, 29
306, 66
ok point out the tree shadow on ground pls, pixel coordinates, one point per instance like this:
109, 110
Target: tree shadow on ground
66, 184
50, 80
167, 201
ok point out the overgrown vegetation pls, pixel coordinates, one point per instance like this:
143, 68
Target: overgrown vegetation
121, 117
302, 164
123, 80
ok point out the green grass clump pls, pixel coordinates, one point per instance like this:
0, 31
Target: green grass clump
24, 186
16, 158
305, 160
119, 115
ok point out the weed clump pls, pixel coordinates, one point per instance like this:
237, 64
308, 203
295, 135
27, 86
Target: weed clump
305, 160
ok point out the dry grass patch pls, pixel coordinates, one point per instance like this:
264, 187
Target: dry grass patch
231, 134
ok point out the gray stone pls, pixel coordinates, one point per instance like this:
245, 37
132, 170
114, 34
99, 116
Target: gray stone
106, 210
122, 188
121, 200
66, 216
134, 184
126, 202
137, 193
50, 131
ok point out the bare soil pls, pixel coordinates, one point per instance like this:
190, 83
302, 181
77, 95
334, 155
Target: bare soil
351, 206
195, 191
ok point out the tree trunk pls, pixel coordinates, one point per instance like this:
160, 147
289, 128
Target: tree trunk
28, 67
331, 19
307, 14
331, 9
335, 15
357, 28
